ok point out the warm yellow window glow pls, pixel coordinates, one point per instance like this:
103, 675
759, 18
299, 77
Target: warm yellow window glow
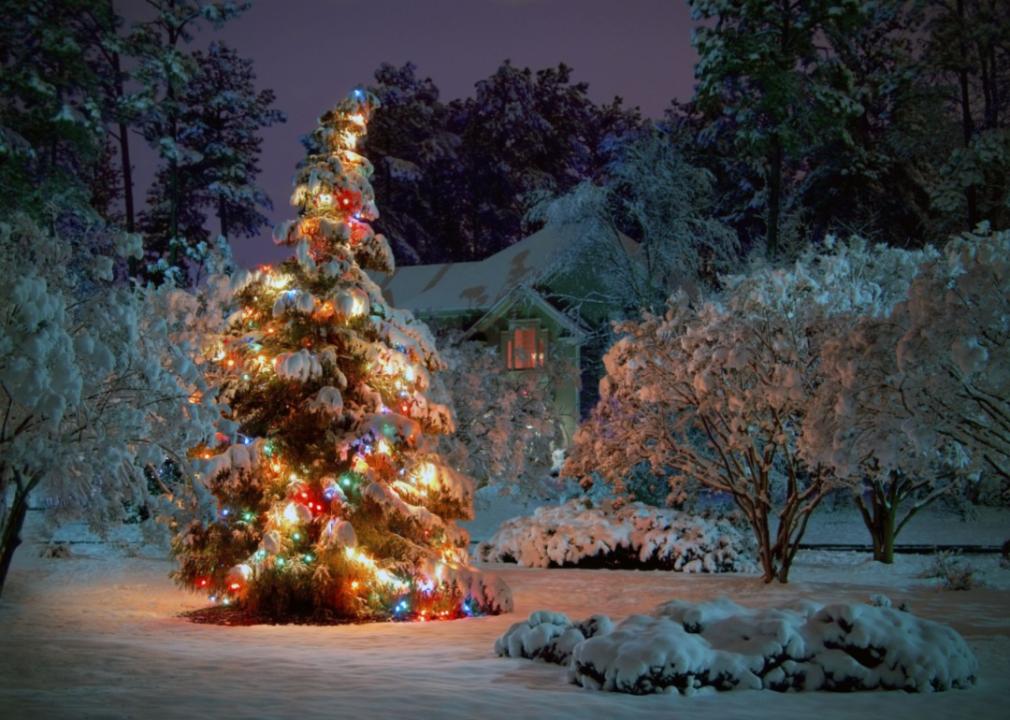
524, 349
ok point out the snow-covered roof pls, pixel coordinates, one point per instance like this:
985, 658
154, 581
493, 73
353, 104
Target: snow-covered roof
525, 292
455, 287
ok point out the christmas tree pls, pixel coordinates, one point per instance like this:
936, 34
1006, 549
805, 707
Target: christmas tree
332, 501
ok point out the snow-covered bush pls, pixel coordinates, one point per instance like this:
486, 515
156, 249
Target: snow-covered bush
549, 636
94, 388
507, 429
613, 535
687, 647
717, 393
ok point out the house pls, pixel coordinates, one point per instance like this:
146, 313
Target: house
524, 300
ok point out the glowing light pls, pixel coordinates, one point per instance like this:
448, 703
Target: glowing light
279, 282
383, 447
426, 474
291, 513
235, 586
325, 199
357, 119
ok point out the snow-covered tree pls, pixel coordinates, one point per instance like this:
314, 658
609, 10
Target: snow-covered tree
761, 67
335, 500
954, 349
653, 193
507, 430
859, 423
95, 388
222, 116
51, 104
163, 71
968, 54
718, 392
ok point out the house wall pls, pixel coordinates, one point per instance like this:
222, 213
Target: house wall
561, 349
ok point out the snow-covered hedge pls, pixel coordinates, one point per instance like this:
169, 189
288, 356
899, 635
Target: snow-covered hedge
720, 645
632, 535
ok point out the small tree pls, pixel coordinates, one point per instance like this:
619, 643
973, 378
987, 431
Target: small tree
719, 392
860, 424
954, 350
95, 390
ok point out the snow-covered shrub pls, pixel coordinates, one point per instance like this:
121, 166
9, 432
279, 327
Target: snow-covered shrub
95, 390
507, 429
687, 647
614, 535
952, 571
549, 636
718, 393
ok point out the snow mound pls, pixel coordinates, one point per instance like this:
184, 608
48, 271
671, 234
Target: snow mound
549, 636
630, 535
719, 645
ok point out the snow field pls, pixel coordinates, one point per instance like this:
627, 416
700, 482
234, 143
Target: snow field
98, 635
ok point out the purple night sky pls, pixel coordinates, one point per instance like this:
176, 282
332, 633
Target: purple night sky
311, 52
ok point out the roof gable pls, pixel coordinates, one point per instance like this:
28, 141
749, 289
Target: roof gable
521, 293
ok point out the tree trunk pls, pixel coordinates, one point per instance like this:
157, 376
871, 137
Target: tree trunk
124, 151
11, 537
222, 216
774, 197
967, 125
880, 519
758, 517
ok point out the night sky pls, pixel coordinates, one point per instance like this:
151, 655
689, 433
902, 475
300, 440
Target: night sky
311, 52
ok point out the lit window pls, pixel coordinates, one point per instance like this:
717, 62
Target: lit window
524, 348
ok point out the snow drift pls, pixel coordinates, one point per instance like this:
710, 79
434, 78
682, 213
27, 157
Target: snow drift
631, 535
719, 645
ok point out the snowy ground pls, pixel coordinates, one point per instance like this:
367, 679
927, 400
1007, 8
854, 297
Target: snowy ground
97, 635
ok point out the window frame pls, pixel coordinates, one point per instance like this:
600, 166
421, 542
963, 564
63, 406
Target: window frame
541, 338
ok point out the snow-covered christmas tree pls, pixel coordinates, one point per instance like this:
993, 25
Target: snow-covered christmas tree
332, 501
